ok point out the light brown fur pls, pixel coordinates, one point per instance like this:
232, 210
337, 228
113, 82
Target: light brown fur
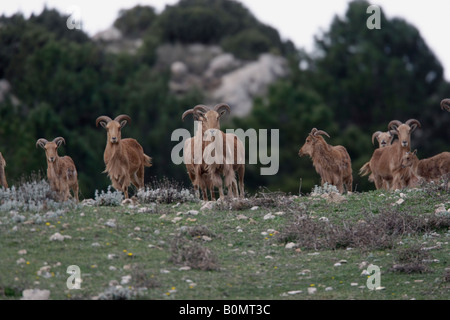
124, 158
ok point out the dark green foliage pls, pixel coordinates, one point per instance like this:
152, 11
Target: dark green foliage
135, 21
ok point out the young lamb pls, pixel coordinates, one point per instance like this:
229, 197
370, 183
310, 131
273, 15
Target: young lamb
332, 163
430, 169
61, 171
124, 158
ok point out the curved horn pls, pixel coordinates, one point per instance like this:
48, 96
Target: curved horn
59, 140
394, 124
102, 118
413, 123
122, 117
313, 131
222, 109
201, 108
41, 143
187, 112
445, 104
376, 134
321, 132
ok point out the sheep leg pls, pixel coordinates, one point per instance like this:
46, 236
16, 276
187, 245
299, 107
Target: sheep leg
75, 191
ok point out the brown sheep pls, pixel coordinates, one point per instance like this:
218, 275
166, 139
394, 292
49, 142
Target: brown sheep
384, 139
386, 161
195, 165
332, 163
124, 158
61, 171
430, 169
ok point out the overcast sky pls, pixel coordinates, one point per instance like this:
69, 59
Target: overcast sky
297, 20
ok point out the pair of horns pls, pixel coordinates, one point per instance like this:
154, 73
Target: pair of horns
42, 142
107, 119
413, 123
376, 134
314, 132
221, 109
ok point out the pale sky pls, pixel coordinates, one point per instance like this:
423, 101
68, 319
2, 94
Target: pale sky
297, 20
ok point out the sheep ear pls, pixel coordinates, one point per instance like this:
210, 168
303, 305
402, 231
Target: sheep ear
123, 123
414, 152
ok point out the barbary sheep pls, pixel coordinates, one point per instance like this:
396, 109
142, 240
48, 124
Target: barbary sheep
385, 162
430, 169
61, 171
124, 158
3, 181
445, 104
332, 163
384, 139
199, 171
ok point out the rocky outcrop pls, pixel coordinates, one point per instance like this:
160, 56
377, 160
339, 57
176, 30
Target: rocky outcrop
219, 75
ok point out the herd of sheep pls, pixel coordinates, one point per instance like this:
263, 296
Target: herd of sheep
213, 158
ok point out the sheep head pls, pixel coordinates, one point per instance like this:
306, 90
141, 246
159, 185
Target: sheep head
445, 104
313, 137
113, 127
409, 158
384, 138
50, 147
404, 130
210, 118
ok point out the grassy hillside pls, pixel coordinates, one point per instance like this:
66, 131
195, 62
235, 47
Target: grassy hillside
270, 246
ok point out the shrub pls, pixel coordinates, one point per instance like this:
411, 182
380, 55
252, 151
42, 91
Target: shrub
34, 195
165, 191
108, 198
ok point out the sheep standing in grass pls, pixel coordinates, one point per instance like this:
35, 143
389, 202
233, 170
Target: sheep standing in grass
332, 163
3, 181
124, 158
384, 139
194, 147
386, 162
61, 171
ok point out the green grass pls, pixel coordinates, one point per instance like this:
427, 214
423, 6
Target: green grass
245, 254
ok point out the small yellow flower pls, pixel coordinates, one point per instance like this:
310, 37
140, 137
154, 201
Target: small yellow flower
28, 262
173, 288
130, 254
47, 223
125, 250
312, 285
